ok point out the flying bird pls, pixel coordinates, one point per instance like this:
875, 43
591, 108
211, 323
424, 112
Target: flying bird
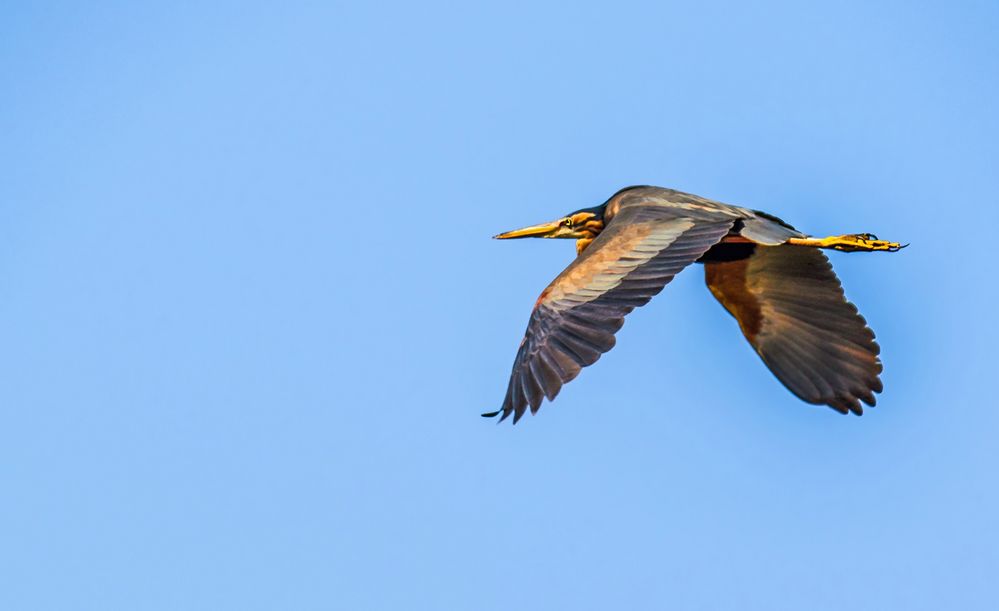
771, 277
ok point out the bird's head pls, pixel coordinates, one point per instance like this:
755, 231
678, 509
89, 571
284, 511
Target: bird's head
582, 225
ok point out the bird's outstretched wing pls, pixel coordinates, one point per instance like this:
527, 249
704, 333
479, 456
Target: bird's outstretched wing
575, 318
791, 308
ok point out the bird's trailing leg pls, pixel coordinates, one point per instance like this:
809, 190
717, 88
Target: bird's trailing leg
849, 243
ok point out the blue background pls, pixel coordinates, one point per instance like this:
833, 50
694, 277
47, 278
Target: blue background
250, 310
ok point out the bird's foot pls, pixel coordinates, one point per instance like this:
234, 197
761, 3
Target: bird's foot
854, 242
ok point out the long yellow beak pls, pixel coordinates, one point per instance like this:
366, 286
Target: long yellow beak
534, 231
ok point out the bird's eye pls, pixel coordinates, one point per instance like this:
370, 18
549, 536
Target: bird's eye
567, 222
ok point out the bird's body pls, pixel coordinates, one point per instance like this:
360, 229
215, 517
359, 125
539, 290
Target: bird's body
768, 275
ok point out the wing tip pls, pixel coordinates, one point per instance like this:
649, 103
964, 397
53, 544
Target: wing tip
503, 414
853, 402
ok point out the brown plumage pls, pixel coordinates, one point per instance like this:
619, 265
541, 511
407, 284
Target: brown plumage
791, 308
770, 277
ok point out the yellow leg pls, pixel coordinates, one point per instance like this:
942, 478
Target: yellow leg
849, 243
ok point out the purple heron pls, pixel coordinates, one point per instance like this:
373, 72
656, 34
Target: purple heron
771, 277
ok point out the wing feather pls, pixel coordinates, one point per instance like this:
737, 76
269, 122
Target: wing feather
791, 308
577, 315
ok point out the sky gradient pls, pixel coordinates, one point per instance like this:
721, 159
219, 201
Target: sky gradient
250, 309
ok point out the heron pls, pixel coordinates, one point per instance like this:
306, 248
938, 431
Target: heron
773, 279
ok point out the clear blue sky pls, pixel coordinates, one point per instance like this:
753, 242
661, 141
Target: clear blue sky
250, 309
